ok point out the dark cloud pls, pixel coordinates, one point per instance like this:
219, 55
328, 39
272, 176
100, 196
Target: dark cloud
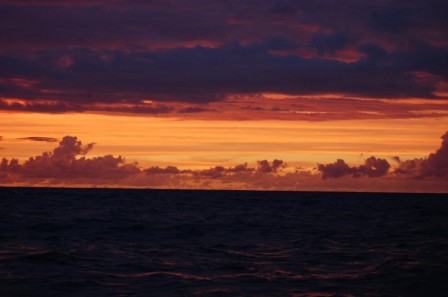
336, 169
64, 163
240, 168
62, 107
193, 110
79, 53
391, 19
274, 166
372, 167
39, 138
215, 172
329, 42
158, 170
68, 164
435, 165
396, 159
9, 167
204, 75
221, 171
374, 53
282, 8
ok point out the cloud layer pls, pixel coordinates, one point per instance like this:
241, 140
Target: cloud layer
67, 164
71, 55
39, 138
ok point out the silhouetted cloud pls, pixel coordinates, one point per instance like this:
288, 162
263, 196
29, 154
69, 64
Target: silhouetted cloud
62, 107
63, 163
9, 166
221, 171
68, 164
265, 167
158, 170
435, 165
215, 172
193, 110
328, 42
240, 168
336, 169
39, 138
372, 167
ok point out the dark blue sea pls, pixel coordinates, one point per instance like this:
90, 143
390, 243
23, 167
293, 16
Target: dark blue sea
111, 242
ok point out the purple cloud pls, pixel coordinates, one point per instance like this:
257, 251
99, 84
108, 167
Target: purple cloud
64, 163
435, 165
39, 138
372, 167
129, 51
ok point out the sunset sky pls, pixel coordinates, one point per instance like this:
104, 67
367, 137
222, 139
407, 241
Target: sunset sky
323, 95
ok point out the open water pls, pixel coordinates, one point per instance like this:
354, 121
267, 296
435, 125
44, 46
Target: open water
110, 242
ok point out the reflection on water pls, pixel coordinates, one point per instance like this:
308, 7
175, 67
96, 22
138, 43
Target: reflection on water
71, 242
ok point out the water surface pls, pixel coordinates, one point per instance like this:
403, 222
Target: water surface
102, 242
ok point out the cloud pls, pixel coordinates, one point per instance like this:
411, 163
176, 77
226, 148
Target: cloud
194, 110
265, 167
137, 75
9, 166
68, 164
435, 165
329, 42
336, 169
39, 138
221, 171
54, 106
372, 167
64, 163
126, 52
158, 170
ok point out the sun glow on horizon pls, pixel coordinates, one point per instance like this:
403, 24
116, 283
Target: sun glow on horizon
201, 144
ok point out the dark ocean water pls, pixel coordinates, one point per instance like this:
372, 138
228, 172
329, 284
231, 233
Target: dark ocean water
101, 242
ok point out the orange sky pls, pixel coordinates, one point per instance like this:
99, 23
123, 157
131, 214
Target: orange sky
201, 144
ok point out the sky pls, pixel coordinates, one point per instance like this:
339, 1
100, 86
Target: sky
316, 95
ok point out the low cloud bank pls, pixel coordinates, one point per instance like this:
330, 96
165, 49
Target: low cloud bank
62, 163
67, 164
372, 167
435, 165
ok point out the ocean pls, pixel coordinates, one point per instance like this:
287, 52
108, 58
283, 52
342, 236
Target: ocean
119, 242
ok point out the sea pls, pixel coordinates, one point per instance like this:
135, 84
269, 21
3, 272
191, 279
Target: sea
132, 242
